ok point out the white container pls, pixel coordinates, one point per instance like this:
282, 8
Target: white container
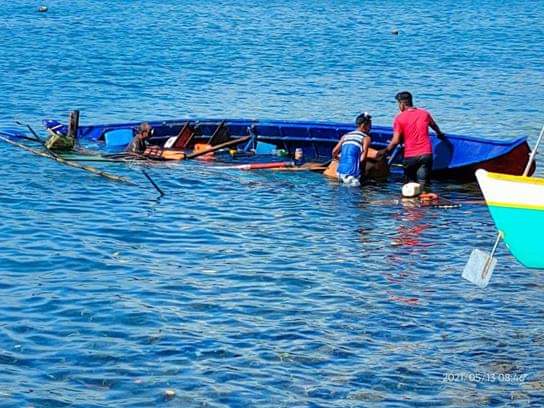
411, 190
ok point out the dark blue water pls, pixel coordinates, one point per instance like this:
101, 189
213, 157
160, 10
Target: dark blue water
261, 288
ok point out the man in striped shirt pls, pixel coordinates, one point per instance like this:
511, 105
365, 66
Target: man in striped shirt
353, 149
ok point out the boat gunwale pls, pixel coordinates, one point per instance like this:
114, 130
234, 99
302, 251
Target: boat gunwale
514, 142
318, 132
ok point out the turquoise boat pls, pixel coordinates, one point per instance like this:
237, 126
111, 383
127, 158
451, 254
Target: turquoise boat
516, 204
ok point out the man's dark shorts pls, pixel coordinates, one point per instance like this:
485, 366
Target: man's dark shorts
418, 168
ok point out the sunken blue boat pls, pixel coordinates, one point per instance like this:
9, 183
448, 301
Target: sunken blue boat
458, 157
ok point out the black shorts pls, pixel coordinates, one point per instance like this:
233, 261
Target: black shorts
418, 169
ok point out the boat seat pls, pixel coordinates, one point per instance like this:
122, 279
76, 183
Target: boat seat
182, 139
220, 135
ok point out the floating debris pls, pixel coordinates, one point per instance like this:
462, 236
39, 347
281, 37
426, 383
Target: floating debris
169, 394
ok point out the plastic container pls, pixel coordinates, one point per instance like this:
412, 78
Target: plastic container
265, 148
410, 190
118, 137
299, 156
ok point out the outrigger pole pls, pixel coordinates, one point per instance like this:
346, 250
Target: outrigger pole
55, 157
72, 134
36, 137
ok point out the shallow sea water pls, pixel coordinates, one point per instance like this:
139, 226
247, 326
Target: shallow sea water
261, 288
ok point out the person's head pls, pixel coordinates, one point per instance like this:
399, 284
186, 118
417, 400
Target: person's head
404, 100
145, 130
364, 122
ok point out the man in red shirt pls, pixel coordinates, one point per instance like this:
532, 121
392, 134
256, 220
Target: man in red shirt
412, 126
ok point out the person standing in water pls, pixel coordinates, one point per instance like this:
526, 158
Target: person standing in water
412, 126
352, 150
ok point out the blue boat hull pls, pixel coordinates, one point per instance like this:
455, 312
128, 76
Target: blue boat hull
456, 158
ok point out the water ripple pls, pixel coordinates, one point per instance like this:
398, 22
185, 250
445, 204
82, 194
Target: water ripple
260, 288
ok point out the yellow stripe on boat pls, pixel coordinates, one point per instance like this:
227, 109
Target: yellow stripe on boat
515, 205
516, 179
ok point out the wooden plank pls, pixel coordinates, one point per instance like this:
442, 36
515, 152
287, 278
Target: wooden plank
73, 124
218, 147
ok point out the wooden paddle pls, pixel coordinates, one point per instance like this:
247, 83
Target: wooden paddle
217, 147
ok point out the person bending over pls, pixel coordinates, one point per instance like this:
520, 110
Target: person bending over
412, 126
353, 149
140, 141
